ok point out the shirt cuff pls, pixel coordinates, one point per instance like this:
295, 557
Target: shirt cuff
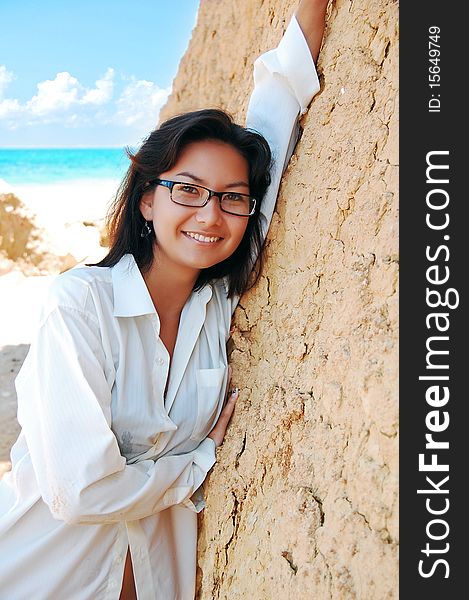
196, 503
205, 458
295, 56
204, 454
292, 59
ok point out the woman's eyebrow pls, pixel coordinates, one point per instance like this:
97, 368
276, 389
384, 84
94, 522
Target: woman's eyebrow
202, 182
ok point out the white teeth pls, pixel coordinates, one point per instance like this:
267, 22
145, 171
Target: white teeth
202, 238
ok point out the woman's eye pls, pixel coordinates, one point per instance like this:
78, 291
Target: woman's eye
189, 188
234, 196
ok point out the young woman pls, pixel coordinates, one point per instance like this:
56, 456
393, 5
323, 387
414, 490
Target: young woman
123, 398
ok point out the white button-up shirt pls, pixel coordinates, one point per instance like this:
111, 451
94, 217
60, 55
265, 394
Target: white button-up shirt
105, 461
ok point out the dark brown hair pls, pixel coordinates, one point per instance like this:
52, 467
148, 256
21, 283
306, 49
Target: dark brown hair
158, 153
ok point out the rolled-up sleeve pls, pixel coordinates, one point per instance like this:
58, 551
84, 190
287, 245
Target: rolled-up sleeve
64, 402
285, 81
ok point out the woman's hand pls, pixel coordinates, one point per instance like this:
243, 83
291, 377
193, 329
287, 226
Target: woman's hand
218, 432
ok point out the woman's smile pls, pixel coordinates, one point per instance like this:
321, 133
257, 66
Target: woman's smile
202, 239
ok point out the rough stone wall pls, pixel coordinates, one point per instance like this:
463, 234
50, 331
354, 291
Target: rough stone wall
303, 500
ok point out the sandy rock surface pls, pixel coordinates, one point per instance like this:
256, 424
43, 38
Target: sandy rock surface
303, 500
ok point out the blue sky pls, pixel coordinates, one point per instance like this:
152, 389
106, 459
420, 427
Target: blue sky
89, 72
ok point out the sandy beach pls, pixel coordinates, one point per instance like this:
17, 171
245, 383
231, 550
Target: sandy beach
68, 219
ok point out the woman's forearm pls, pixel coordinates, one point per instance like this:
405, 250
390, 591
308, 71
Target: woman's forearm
311, 15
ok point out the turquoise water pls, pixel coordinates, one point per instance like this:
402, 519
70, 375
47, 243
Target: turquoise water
57, 165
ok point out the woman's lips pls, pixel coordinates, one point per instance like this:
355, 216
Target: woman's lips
201, 241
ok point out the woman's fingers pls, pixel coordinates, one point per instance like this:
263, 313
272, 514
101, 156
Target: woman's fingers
227, 411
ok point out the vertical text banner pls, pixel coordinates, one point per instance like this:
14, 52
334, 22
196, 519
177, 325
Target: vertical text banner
434, 252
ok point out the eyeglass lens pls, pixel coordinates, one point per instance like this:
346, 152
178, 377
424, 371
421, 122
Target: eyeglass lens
191, 195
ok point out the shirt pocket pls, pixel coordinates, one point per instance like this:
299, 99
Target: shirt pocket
211, 388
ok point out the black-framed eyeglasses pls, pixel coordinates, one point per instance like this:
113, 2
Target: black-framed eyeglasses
189, 194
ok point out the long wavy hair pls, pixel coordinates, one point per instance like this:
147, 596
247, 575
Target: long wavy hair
158, 153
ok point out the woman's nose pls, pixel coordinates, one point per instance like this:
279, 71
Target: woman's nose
211, 212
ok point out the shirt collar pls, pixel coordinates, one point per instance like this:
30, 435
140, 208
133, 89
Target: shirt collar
131, 295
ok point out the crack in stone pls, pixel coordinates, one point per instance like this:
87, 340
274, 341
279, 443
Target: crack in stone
318, 501
288, 557
240, 452
237, 506
383, 533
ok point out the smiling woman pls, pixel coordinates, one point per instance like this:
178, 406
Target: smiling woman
205, 146
123, 397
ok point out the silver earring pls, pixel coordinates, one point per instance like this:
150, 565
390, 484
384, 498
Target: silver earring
146, 230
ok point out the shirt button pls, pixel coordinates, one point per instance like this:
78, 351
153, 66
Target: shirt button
160, 361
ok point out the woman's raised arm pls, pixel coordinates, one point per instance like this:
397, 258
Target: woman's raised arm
311, 15
285, 81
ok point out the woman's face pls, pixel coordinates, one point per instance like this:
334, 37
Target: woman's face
216, 165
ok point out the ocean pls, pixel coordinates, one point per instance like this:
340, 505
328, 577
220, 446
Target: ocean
46, 166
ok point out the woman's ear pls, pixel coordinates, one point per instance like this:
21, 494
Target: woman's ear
146, 205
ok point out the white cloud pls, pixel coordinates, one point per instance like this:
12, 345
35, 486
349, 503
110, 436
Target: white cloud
54, 95
64, 101
5, 78
55, 98
103, 91
9, 108
141, 101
